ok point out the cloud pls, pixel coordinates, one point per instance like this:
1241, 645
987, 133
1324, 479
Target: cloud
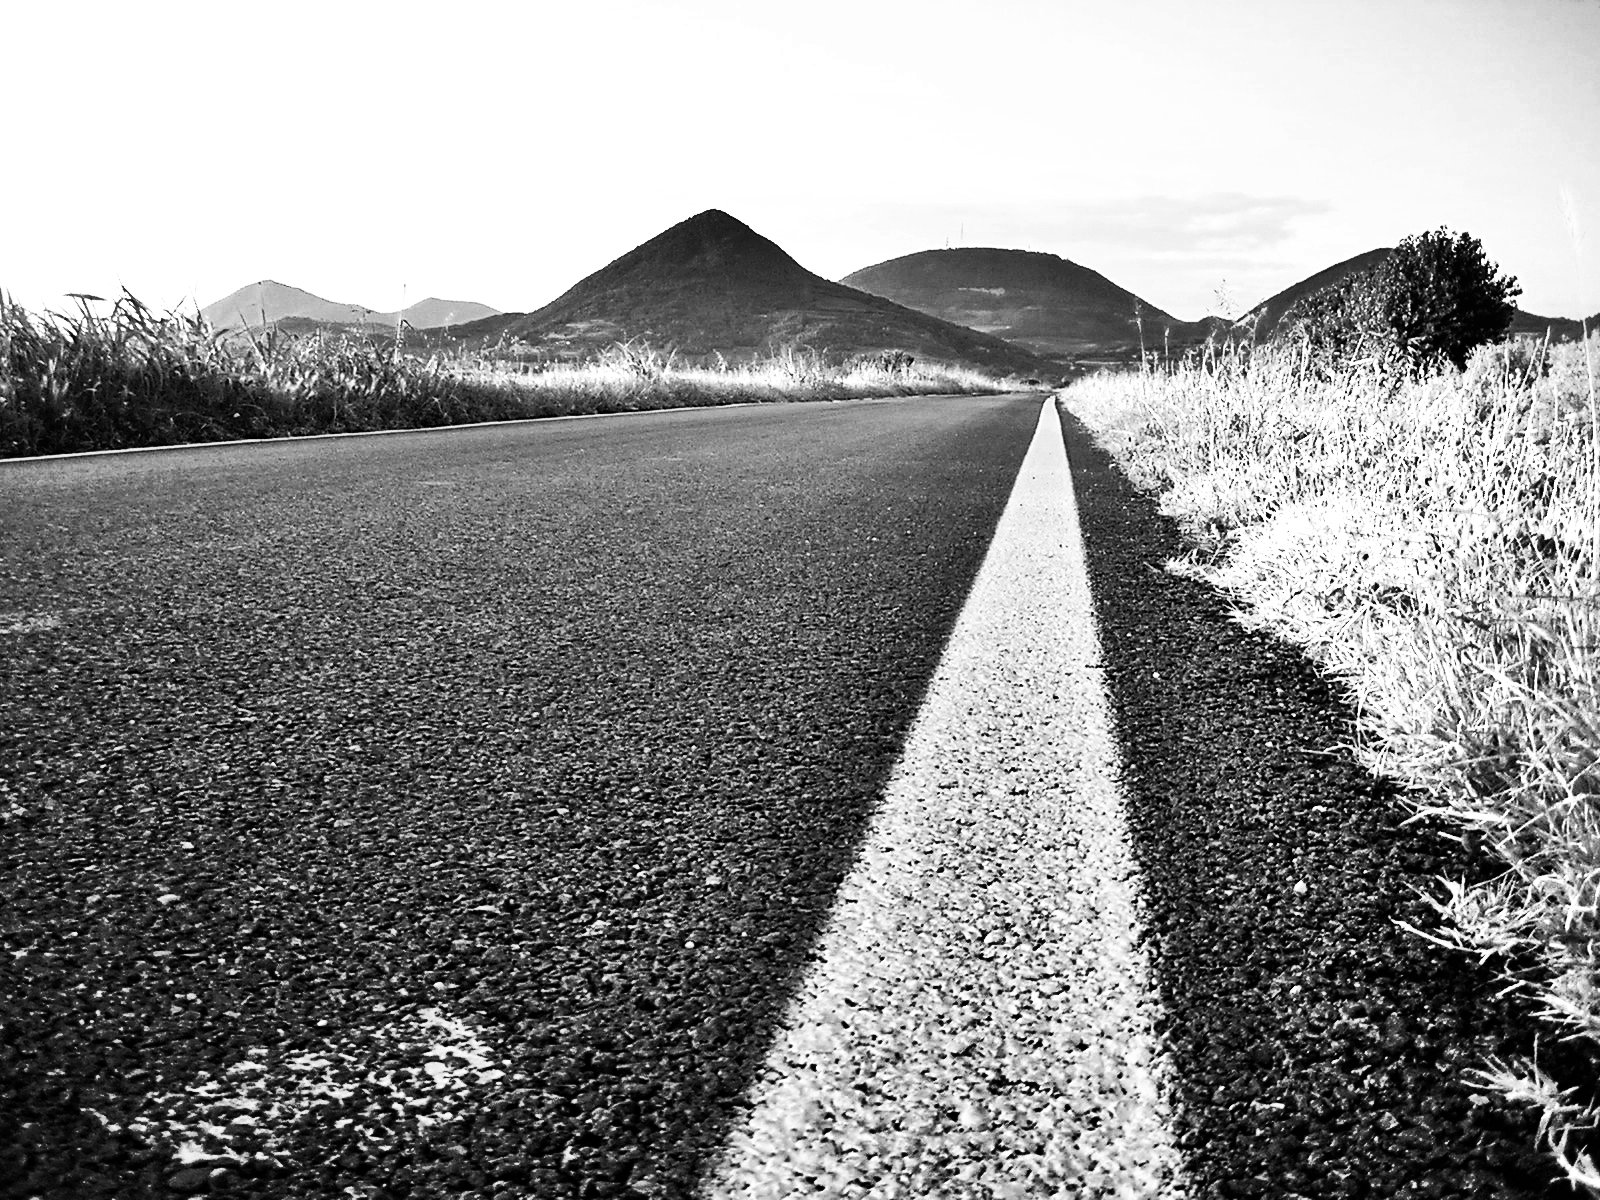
1213, 228
1226, 224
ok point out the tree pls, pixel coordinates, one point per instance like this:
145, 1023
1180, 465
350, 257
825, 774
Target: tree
1437, 296
1442, 296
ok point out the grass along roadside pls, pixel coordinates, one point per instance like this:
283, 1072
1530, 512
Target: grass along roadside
1436, 547
133, 377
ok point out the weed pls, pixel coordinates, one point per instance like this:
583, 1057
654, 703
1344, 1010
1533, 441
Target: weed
134, 378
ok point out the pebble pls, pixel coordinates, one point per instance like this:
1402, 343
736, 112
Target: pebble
190, 1179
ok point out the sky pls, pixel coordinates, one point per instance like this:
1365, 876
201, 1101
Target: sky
1201, 154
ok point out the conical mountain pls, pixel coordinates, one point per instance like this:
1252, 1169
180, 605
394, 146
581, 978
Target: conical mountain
1042, 301
711, 284
256, 304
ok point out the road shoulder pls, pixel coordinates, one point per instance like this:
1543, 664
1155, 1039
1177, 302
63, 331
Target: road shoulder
1319, 1048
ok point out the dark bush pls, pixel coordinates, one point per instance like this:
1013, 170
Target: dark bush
1435, 298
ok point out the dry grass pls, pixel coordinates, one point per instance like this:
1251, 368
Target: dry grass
1435, 545
133, 377
635, 375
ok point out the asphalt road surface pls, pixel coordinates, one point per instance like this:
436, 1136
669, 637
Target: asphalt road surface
566, 732
462, 813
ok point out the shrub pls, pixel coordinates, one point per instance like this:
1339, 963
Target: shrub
1443, 297
1434, 299
638, 358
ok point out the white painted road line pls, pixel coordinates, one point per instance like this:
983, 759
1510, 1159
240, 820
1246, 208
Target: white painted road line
978, 1020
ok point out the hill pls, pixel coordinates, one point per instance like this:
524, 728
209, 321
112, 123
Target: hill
711, 285
256, 304
1266, 315
1042, 301
432, 313
1557, 328
1270, 311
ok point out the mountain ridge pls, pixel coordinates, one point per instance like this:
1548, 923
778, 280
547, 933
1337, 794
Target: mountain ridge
266, 300
1265, 317
1056, 306
712, 285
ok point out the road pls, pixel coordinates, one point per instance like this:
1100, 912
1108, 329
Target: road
464, 813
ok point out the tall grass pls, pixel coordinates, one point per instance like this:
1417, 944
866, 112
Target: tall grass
133, 377
1435, 545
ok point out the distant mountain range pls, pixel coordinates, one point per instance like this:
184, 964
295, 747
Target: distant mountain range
711, 284
258, 304
1058, 307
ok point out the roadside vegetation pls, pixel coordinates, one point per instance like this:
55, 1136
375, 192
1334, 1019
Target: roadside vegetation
134, 377
1421, 512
